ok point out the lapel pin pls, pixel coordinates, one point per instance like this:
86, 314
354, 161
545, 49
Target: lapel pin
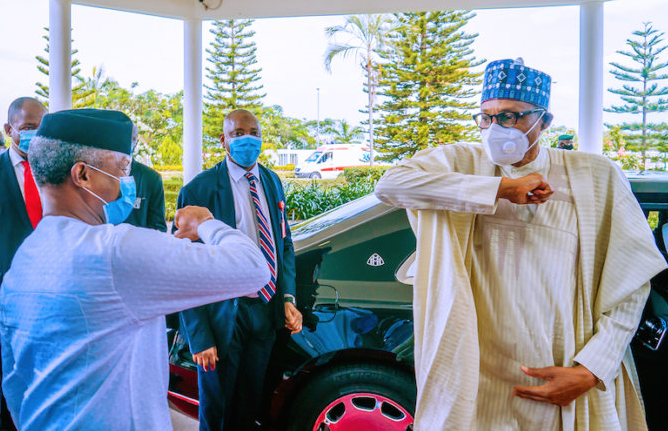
281, 205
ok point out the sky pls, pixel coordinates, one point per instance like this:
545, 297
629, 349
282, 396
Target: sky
149, 50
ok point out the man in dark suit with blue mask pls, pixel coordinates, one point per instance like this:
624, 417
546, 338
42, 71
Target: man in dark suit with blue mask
20, 205
231, 341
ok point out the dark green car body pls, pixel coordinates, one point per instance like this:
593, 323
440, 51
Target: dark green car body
357, 312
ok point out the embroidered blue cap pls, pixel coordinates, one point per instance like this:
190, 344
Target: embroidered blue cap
511, 79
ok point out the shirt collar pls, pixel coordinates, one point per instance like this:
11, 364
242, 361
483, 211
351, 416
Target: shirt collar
237, 172
15, 157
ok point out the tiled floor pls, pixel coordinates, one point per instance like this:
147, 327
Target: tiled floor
181, 422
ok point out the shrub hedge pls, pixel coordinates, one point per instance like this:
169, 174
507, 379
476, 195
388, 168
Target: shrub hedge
308, 198
172, 187
306, 201
164, 168
363, 174
284, 174
304, 198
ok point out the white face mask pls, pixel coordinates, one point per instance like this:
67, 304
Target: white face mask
507, 145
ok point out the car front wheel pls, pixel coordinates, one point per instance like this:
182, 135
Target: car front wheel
355, 397
315, 176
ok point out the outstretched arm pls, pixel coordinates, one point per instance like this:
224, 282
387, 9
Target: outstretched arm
158, 274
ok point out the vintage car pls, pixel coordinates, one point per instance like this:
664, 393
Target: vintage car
351, 368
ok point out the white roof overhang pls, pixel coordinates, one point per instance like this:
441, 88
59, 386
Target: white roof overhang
226, 9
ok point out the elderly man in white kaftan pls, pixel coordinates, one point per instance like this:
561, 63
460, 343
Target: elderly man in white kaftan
524, 297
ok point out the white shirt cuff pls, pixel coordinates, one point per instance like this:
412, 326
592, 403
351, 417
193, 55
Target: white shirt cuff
209, 228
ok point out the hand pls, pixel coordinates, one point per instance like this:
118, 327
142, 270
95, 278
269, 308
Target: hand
517, 190
293, 318
188, 219
564, 384
207, 358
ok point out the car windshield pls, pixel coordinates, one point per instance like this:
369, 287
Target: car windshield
650, 188
325, 158
337, 215
314, 156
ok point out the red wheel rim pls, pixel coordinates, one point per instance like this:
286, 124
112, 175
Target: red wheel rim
363, 411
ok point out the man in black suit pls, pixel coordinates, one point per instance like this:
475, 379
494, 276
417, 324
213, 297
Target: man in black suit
23, 118
20, 206
240, 333
149, 208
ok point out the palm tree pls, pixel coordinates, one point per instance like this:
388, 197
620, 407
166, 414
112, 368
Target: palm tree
343, 133
364, 36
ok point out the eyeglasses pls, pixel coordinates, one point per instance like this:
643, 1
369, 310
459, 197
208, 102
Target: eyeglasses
504, 119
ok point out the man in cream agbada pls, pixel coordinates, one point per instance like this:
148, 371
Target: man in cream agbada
532, 270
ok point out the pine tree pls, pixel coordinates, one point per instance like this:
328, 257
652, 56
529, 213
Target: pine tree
79, 93
233, 74
426, 78
641, 91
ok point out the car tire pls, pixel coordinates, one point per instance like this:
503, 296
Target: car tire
315, 176
356, 397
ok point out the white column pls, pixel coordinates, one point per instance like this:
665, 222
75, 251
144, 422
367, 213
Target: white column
590, 124
60, 55
192, 99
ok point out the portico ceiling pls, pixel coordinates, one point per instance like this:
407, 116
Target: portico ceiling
222, 9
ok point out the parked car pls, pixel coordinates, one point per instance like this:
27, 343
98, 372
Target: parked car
650, 345
351, 368
328, 161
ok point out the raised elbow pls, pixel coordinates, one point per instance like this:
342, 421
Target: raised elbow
260, 268
385, 191
264, 273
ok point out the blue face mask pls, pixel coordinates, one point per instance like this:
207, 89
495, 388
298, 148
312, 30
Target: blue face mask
26, 137
245, 149
117, 211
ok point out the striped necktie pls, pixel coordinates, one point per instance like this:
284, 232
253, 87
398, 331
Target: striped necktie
266, 241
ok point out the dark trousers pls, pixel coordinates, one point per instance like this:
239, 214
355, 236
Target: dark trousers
6, 423
230, 397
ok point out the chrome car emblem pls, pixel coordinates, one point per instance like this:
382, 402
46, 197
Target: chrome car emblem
375, 260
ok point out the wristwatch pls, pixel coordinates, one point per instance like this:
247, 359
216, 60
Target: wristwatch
290, 299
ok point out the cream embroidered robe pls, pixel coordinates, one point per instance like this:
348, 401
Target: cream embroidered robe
560, 284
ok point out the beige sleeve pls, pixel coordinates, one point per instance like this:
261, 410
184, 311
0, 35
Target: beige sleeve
603, 353
439, 179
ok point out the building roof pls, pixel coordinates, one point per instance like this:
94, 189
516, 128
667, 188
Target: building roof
225, 9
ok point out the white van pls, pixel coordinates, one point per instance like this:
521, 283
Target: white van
328, 161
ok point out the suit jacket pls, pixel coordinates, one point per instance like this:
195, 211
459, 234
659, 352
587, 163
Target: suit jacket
15, 225
212, 324
149, 210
